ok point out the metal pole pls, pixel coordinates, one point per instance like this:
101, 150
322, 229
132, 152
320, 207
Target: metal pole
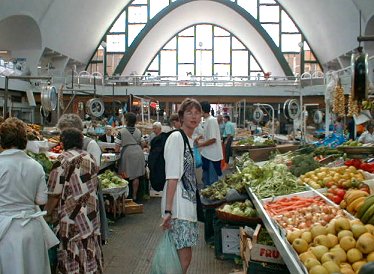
5, 106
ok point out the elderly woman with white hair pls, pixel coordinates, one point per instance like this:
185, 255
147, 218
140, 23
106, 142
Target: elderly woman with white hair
108, 136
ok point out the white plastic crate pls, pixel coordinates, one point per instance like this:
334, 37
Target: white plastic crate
230, 241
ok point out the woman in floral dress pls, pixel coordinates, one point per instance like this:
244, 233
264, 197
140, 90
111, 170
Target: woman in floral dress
72, 189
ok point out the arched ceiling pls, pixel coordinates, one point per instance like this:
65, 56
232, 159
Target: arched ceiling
75, 28
211, 12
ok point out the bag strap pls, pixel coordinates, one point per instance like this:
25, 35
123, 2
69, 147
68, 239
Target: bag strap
185, 138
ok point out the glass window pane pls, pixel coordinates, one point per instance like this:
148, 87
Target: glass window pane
273, 31
221, 49
139, 2
253, 64
222, 70
236, 44
287, 24
290, 42
239, 63
120, 24
184, 69
154, 64
204, 35
249, 6
115, 43
187, 32
186, 50
156, 6
168, 63
204, 57
172, 44
220, 32
269, 13
134, 31
138, 14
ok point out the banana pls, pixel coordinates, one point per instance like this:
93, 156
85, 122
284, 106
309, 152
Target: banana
358, 206
348, 195
368, 214
355, 195
371, 221
351, 207
368, 202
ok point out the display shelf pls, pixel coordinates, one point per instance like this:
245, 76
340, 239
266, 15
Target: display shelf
288, 254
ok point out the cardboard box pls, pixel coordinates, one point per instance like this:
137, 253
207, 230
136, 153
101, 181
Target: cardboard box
253, 251
133, 208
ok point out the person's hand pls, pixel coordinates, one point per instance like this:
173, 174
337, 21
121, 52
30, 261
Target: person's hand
166, 221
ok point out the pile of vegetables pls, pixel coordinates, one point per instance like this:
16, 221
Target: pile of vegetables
42, 159
271, 180
244, 209
301, 164
110, 180
358, 164
219, 189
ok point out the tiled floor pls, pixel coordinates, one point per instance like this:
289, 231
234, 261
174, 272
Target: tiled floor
135, 237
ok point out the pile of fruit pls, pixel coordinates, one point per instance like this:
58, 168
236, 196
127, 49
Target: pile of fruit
109, 179
354, 199
42, 159
366, 211
335, 194
358, 164
343, 176
33, 132
57, 149
351, 143
343, 246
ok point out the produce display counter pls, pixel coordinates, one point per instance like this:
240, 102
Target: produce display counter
289, 255
262, 153
108, 159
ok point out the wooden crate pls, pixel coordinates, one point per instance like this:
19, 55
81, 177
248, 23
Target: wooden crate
133, 208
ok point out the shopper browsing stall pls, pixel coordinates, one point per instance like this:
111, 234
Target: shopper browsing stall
368, 136
72, 188
132, 163
228, 136
178, 205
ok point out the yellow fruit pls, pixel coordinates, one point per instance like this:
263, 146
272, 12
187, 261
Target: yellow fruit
310, 262
318, 269
293, 235
344, 233
370, 257
354, 255
300, 245
322, 240
342, 223
370, 228
331, 267
347, 242
306, 255
357, 265
318, 230
319, 250
339, 253
365, 243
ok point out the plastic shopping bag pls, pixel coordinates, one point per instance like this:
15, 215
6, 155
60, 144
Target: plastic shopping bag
197, 157
165, 259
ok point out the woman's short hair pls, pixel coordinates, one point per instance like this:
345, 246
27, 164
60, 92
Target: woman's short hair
157, 125
13, 134
130, 119
187, 105
72, 138
174, 117
70, 120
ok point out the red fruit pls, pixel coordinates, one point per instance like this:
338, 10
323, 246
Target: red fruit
330, 184
336, 199
340, 192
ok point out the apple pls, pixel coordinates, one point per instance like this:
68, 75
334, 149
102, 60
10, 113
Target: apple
333, 239
331, 227
293, 235
306, 255
322, 240
346, 270
370, 228
354, 255
310, 262
318, 269
347, 242
318, 229
329, 256
370, 257
307, 236
319, 250
358, 230
344, 233
339, 253
300, 245
342, 223
365, 243
331, 267
357, 265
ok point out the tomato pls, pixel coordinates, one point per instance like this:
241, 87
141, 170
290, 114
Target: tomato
336, 199
340, 192
330, 184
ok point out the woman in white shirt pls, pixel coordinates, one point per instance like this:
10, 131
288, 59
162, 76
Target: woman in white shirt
367, 137
24, 235
178, 204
